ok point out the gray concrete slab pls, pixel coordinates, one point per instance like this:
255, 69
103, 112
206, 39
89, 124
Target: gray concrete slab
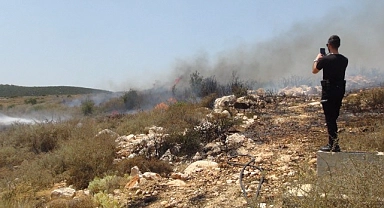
349, 163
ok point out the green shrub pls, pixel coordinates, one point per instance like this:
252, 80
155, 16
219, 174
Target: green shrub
31, 101
103, 200
106, 184
87, 107
188, 142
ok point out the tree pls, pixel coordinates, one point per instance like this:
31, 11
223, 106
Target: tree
131, 99
87, 107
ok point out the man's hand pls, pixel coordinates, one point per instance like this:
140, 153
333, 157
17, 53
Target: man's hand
314, 69
319, 56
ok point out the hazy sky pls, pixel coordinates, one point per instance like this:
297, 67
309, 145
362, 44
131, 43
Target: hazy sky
117, 45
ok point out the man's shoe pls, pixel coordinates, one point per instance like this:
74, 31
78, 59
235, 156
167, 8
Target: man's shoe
326, 148
336, 148
329, 148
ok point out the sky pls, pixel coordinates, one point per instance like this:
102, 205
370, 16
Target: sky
119, 45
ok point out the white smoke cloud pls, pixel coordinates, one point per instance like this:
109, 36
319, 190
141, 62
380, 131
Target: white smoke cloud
291, 52
8, 120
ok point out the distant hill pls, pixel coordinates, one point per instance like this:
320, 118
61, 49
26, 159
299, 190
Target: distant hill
15, 91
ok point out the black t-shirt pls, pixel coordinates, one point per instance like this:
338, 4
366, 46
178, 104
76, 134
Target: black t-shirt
334, 66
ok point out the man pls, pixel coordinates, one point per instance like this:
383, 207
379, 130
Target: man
333, 88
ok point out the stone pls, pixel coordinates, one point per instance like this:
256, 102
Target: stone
199, 166
133, 183
234, 141
108, 132
135, 171
181, 176
301, 190
151, 176
177, 183
223, 103
197, 156
167, 156
65, 192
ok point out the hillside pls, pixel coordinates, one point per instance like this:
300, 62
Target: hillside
254, 157
18, 91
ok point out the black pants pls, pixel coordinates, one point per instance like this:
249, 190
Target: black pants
331, 106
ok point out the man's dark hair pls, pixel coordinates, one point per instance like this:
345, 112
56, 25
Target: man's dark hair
334, 40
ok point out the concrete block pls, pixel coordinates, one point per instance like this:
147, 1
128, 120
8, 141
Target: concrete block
349, 163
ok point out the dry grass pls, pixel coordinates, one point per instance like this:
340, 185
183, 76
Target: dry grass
347, 189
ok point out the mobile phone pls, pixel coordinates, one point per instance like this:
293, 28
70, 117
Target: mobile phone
322, 51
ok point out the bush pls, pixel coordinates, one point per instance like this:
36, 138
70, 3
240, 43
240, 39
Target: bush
180, 116
201, 86
209, 101
31, 101
106, 184
215, 127
87, 107
79, 202
375, 98
87, 158
187, 143
131, 99
37, 138
195, 82
372, 99
9, 156
113, 105
103, 200
34, 174
238, 87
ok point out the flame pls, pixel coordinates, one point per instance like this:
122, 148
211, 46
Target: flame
161, 107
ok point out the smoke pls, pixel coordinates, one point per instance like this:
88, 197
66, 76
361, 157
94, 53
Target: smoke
291, 53
8, 120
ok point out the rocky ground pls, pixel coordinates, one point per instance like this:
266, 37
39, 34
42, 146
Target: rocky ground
277, 139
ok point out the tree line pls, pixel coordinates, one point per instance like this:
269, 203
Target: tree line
19, 91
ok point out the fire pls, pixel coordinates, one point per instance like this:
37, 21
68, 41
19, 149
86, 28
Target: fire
163, 106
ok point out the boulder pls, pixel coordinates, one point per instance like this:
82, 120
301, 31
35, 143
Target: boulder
65, 192
223, 103
199, 166
235, 141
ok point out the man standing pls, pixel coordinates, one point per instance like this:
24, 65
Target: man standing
333, 88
